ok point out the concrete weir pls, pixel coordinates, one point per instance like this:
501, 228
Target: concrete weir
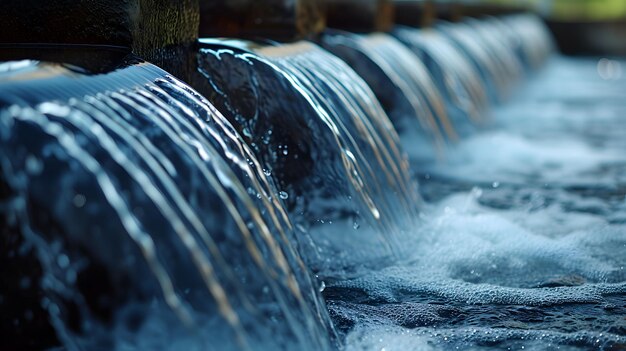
98, 34
196, 173
414, 13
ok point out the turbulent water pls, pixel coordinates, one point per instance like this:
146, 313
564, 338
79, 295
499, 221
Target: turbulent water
523, 243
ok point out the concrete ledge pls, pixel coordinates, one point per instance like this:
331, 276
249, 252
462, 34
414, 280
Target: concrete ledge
142, 26
282, 20
414, 13
360, 16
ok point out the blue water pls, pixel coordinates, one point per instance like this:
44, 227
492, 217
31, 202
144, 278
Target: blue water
141, 216
523, 242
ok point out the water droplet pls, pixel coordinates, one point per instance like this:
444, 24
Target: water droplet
247, 132
283, 195
356, 225
267, 172
79, 200
322, 287
495, 185
63, 261
285, 152
477, 192
33, 165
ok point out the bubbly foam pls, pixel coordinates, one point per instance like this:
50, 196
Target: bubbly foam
523, 242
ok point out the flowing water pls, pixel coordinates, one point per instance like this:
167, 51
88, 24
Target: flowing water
136, 215
404, 87
523, 240
154, 224
326, 141
457, 79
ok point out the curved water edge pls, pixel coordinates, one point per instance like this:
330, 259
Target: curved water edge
404, 87
326, 141
144, 189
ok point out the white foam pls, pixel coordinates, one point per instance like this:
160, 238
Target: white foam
562, 129
402, 339
505, 157
467, 252
470, 255
542, 228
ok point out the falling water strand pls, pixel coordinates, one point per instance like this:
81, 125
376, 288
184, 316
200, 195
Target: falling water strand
459, 79
320, 73
153, 147
474, 50
406, 72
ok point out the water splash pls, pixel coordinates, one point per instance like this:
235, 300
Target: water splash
523, 250
157, 228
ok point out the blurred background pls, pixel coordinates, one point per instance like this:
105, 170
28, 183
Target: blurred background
581, 27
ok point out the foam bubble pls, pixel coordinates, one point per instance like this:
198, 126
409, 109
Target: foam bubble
522, 243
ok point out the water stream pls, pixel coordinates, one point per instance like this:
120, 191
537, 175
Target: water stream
524, 235
327, 142
155, 225
278, 208
403, 85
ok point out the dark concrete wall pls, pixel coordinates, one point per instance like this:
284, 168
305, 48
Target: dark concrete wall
282, 20
141, 25
362, 16
414, 13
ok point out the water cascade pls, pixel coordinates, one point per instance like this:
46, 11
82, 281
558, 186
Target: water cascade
495, 71
144, 189
413, 94
456, 78
256, 188
399, 79
357, 182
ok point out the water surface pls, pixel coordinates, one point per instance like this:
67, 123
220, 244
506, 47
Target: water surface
523, 241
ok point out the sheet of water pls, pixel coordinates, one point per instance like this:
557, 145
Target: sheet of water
523, 243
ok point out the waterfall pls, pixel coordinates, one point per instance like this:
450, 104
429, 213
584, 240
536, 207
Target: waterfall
456, 78
326, 141
143, 213
153, 221
403, 85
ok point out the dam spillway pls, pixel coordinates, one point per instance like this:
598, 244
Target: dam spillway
371, 185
